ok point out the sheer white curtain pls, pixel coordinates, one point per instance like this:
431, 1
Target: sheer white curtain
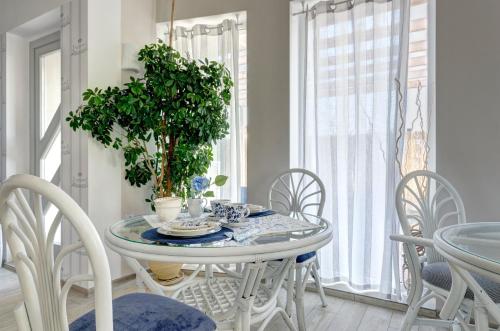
344, 127
3, 145
1, 248
221, 43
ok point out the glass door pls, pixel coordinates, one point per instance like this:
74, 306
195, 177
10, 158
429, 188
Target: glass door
45, 123
46, 118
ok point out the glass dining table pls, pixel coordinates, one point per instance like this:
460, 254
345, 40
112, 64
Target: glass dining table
471, 249
274, 238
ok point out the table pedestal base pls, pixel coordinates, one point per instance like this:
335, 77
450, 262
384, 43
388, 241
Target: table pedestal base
235, 303
483, 305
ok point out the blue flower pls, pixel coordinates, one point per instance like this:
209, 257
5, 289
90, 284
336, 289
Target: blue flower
200, 184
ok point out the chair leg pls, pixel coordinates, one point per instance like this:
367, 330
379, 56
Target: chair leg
209, 271
242, 320
21, 315
480, 315
139, 283
317, 280
413, 309
245, 321
409, 319
287, 320
299, 299
456, 327
289, 291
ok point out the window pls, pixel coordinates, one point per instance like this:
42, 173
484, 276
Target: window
417, 145
347, 60
222, 38
46, 122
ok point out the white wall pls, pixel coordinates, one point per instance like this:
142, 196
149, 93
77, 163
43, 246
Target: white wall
268, 81
17, 105
468, 102
138, 29
138, 21
104, 164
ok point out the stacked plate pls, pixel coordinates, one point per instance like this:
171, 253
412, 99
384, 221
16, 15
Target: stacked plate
189, 228
254, 209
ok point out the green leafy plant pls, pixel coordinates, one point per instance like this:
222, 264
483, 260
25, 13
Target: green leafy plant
164, 122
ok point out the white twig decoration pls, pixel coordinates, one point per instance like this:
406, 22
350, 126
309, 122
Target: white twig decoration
401, 125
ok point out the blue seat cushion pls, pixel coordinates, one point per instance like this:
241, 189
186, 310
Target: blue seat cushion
438, 274
149, 312
305, 257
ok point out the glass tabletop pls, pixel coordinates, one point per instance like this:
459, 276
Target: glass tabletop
481, 240
132, 228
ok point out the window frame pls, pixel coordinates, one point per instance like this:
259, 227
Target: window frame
40, 145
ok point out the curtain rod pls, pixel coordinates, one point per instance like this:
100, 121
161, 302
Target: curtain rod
332, 6
210, 27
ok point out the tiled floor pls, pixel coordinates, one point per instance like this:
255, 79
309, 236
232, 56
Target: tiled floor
340, 315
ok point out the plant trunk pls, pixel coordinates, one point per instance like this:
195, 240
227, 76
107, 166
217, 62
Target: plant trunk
170, 158
171, 32
171, 139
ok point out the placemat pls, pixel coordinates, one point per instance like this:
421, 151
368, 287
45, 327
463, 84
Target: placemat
262, 213
153, 235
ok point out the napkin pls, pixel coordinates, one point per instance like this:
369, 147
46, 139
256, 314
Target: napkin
153, 220
242, 234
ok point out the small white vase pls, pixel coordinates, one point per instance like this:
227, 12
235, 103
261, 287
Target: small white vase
195, 206
168, 208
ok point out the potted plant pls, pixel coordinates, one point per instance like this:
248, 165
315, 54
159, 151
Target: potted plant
164, 122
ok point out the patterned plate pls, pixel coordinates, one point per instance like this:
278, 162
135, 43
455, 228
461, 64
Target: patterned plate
167, 230
256, 208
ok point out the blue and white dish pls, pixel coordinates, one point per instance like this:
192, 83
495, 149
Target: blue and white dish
174, 230
235, 212
218, 209
190, 224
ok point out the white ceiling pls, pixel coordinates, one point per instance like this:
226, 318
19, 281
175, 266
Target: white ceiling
40, 26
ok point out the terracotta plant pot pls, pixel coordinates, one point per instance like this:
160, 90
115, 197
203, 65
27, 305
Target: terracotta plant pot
168, 208
167, 273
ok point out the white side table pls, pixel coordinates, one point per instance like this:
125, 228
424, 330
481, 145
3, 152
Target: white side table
473, 247
233, 302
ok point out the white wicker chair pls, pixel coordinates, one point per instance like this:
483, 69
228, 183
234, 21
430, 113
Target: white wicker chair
39, 268
427, 201
297, 192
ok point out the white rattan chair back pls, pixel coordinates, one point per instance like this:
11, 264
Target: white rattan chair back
38, 267
429, 200
297, 191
